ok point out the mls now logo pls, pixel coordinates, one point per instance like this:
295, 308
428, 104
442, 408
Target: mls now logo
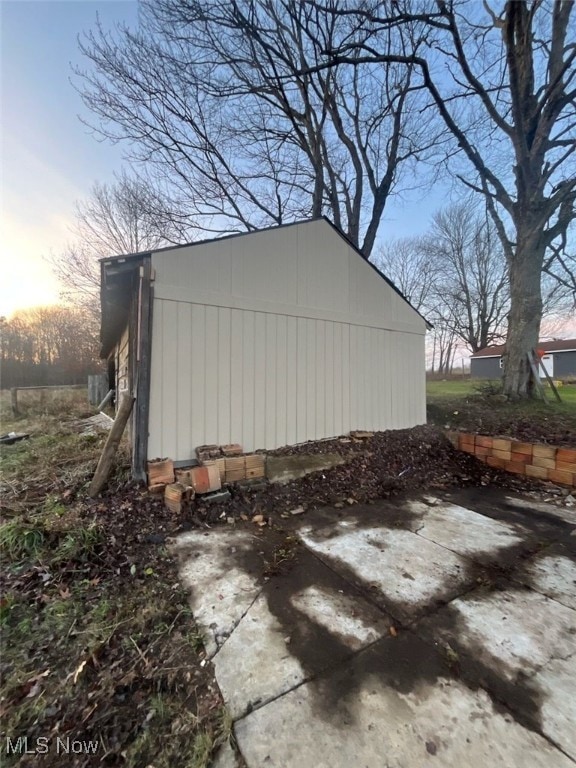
41, 746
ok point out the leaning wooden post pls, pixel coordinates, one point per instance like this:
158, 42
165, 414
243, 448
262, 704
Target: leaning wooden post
111, 446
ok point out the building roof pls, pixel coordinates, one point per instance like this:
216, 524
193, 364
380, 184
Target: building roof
557, 345
112, 267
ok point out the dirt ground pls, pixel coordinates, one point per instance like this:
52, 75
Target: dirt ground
99, 643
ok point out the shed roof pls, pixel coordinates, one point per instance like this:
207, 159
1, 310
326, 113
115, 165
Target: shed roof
556, 345
112, 266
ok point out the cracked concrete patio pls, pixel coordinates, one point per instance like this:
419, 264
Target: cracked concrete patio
406, 633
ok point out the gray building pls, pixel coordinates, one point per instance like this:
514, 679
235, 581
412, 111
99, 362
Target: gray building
559, 360
268, 338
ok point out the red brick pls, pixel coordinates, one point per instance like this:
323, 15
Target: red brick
544, 451
533, 471
566, 454
235, 469
221, 464
492, 461
525, 448
467, 448
234, 449
175, 495
565, 466
200, 479
538, 461
524, 458
505, 455
213, 475
518, 467
483, 441
184, 476
560, 476
480, 451
502, 444
207, 452
465, 439
160, 471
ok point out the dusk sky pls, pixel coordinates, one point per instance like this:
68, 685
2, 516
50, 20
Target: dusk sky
49, 158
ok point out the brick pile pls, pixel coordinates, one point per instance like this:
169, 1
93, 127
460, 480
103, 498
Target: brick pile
544, 462
218, 465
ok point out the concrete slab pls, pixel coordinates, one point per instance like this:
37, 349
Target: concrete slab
552, 573
255, 664
513, 632
391, 706
288, 637
405, 572
557, 685
466, 532
282, 469
220, 591
355, 621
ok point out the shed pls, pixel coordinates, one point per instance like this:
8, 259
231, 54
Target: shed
268, 338
559, 360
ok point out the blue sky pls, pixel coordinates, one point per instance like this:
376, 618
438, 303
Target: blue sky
49, 159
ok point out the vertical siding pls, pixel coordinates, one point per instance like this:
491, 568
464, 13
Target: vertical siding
276, 338
266, 380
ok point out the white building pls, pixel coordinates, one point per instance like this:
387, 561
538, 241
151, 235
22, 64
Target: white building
265, 339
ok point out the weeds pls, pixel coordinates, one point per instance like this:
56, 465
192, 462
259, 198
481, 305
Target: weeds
20, 539
80, 544
487, 389
97, 642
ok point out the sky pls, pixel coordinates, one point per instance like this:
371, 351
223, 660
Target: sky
48, 157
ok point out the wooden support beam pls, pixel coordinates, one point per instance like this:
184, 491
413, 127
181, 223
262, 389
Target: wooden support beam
536, 376
111, 446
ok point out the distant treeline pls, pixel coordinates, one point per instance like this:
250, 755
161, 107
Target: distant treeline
48, 345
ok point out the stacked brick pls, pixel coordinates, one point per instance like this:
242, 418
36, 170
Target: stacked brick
218, 465
544, 462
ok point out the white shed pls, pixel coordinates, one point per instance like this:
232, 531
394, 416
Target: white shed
269, 338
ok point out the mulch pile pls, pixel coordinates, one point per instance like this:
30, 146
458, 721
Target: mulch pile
386, 464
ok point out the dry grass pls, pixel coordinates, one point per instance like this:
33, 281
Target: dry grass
97, 639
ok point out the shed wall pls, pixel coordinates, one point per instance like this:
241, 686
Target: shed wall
564, 364
485, 368
275, 339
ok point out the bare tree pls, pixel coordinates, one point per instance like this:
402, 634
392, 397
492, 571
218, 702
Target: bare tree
455, 274
48, 345
470, 289
225, 101
407, 263
127, 216
504, 83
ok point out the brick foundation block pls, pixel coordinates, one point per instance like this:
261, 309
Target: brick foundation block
562, 477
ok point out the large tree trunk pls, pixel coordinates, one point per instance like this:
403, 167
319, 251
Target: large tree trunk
525, 270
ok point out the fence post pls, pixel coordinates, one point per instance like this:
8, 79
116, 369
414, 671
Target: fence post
14, 401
